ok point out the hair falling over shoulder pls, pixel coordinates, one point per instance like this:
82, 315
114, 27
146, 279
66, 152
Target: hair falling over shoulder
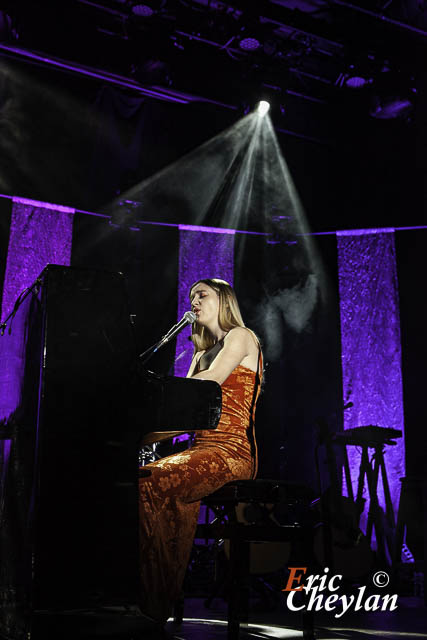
229, 315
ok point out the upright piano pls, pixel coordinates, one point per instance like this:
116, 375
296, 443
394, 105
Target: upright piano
75, 406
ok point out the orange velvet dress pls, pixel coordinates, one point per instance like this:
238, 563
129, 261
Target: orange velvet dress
170, 498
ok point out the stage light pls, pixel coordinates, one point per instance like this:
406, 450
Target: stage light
142, 10
357, 82
263, 108
249, 44
391, 107
394, 95
147, 9
355, 78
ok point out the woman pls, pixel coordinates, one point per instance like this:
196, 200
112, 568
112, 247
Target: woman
228, 353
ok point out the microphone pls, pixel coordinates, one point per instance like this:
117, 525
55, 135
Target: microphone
188, 318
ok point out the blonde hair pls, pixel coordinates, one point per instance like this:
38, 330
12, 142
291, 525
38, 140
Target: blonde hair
229, 315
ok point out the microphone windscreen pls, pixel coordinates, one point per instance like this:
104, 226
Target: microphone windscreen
190, 316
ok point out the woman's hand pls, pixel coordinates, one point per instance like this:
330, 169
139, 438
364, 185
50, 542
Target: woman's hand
238, 344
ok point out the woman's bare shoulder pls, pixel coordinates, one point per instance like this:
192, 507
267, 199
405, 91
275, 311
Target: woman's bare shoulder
243, 334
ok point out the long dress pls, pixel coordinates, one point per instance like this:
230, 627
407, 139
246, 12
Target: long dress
170, 498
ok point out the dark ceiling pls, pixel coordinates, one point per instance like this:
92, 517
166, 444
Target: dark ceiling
307, 47
309, 53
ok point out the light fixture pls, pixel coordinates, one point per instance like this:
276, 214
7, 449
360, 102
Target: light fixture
357, 82
353, 78
249, 44
391, 107
394, 95
142, 10
263, 108
147, 9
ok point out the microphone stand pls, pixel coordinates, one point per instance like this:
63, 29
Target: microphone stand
148, 353
188, 318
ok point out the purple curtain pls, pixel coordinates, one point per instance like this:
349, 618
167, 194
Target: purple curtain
40, 233
204, 252
371, 345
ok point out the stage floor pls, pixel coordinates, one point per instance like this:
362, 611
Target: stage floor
406, 622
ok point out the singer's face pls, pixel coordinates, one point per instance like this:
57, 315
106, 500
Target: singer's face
205, 304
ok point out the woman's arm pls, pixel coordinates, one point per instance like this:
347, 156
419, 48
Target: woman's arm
238, 343
194, 361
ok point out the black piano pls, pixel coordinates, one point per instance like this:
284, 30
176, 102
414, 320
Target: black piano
75, 407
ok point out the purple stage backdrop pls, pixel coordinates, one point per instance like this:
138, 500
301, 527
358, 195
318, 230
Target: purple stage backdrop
204, 252
40, 234
371, 345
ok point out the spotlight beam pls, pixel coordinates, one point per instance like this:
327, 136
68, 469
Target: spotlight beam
233, 172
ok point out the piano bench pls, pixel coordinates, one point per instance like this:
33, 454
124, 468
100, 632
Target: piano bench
258, 498
144, 473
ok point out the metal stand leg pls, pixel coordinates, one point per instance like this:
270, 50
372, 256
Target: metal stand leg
347, 473
375, 515
178, 611
239, 586
364, 469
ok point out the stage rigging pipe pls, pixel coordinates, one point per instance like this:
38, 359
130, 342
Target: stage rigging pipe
157, 93
190, 227
97, 74
379, 16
